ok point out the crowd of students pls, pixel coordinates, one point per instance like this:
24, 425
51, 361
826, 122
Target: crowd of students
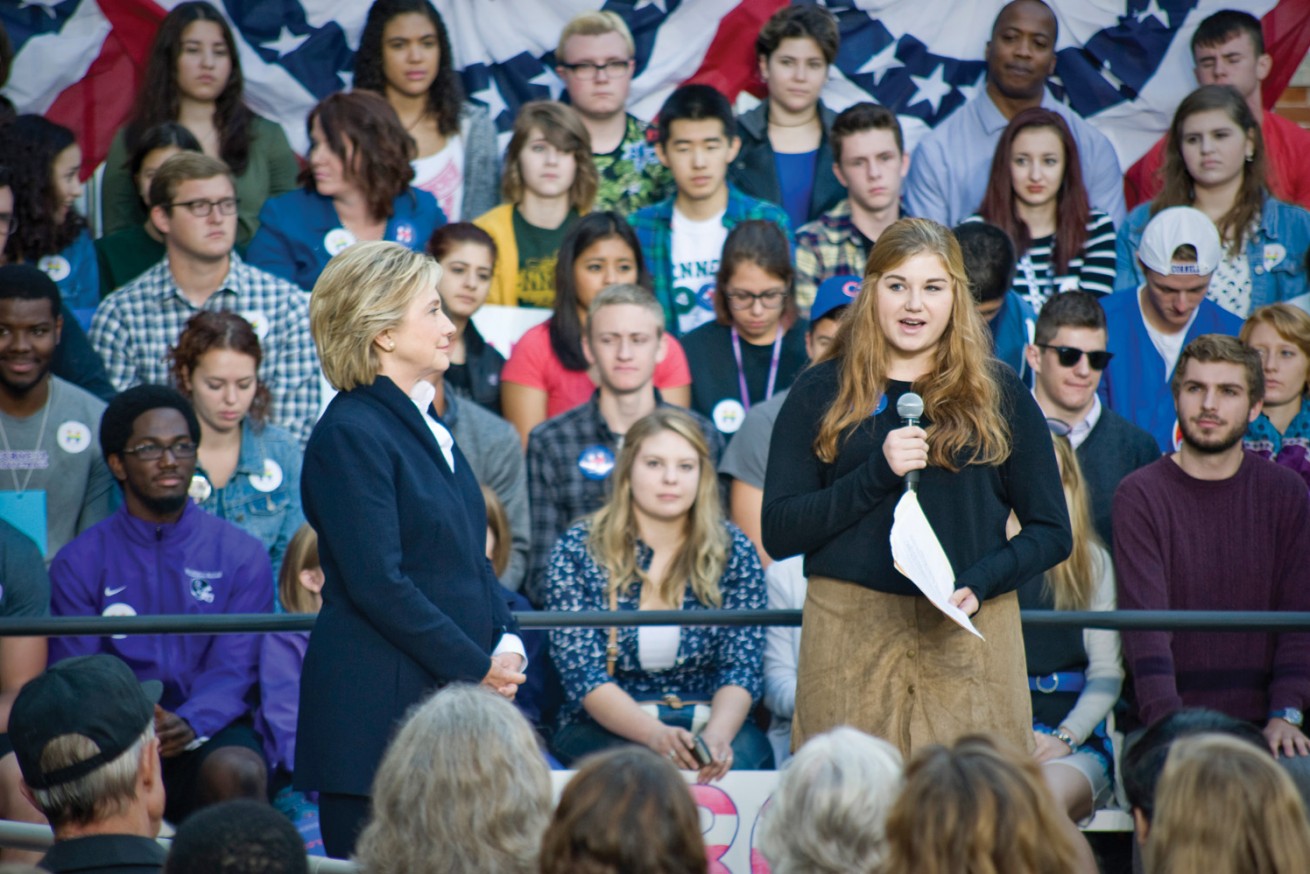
673, 284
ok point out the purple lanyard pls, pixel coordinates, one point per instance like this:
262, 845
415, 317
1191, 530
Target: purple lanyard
741, 373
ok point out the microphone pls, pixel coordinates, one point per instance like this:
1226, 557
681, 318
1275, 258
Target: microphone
910, 409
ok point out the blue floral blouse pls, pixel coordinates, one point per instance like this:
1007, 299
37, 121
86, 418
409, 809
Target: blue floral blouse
708, 657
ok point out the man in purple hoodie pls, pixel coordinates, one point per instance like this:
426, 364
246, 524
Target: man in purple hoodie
160, 554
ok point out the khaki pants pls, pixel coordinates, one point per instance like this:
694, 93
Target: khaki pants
895, 667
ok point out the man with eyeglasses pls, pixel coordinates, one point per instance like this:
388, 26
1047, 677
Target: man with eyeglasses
160, 554
193, 205
1148, 326
595, 61
1067, 359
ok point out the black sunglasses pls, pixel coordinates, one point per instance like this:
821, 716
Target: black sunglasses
1068, 356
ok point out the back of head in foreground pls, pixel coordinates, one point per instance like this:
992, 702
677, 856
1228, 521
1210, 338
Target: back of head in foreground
626, 811
976, 807
829, 812
237, 837
463, 787
1223, 807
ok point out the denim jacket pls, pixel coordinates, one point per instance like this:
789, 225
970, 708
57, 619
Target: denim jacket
263, 495
1276, 252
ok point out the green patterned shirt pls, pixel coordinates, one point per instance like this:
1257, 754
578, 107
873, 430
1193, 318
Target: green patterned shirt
631, 176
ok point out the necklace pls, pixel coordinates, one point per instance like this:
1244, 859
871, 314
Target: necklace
809, 121
40, 438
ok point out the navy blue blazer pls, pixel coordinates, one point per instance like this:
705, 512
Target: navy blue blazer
410, 601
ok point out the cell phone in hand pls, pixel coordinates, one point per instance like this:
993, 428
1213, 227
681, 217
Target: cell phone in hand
701, 751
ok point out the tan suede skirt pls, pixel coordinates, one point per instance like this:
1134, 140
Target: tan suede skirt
895, 667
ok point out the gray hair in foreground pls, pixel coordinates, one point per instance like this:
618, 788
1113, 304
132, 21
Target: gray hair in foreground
829, 812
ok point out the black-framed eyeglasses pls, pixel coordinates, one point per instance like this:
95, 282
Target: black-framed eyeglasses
744, 300
585, 70
1068, 356
1059, 427
202, 208
154, 452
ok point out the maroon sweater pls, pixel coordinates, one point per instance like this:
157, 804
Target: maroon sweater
1242, 543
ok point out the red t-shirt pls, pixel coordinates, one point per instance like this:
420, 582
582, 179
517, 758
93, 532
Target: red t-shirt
533, 363
1286, 146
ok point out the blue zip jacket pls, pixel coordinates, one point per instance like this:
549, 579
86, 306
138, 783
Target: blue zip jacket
1013, 327
198, 565
300, 231
1135, 384
1276, 252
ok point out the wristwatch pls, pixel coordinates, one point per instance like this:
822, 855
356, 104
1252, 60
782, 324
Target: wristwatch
1288, 714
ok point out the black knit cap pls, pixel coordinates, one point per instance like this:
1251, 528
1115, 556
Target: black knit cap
123, 411
96, 696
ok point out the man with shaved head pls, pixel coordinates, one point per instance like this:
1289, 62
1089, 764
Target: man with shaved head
950, 168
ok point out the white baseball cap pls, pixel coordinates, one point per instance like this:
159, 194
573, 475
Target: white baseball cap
1180, 226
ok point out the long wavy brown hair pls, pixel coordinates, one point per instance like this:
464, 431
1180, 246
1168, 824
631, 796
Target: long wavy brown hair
1177, 187
1072, 582
961, 395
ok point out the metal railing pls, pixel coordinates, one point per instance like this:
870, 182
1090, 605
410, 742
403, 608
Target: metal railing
246, 623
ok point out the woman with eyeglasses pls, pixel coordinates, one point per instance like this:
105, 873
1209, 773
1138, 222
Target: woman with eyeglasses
1036, 195
248, 471
1074, 675
193, 77
405, 56
46, 230
755, 347
356, 187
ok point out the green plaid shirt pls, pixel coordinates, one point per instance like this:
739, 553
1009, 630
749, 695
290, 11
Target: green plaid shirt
654, 228
826, 247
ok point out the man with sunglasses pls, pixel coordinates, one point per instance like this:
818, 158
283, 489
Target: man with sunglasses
1147, 327
1067, 358
160, 554
193, 205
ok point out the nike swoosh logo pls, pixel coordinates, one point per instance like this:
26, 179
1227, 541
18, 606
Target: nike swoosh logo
109, 593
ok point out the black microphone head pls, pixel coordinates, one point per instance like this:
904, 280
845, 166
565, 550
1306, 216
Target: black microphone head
910, 406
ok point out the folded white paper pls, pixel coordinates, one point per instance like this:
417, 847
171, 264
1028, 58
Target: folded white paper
919, 555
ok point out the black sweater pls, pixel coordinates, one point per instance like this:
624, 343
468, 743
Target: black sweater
840, 515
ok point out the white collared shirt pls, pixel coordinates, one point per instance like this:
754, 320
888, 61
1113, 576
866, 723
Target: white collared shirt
1079, 431
422, 394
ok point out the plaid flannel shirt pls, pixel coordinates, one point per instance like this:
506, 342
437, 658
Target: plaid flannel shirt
559, 492
826, 247
654, 228
135, 327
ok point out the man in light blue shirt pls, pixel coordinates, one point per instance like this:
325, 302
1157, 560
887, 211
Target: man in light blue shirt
950, 168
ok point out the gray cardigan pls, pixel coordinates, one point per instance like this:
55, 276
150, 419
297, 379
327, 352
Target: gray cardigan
481, 161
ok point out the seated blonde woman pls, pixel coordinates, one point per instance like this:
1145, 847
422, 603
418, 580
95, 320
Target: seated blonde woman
661, 542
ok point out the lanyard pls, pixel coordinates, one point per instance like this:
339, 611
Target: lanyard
741, 373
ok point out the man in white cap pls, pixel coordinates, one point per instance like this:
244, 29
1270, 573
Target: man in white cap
1148, 326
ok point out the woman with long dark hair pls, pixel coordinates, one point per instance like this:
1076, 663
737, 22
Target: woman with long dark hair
877, 654
547, 372
193, 77
1215, 161
404, 55
44, 162
1036, 195
355, 186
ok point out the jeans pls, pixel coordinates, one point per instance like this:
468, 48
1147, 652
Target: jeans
751, 750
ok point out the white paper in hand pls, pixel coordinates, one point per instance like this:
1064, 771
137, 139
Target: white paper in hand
919, 555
